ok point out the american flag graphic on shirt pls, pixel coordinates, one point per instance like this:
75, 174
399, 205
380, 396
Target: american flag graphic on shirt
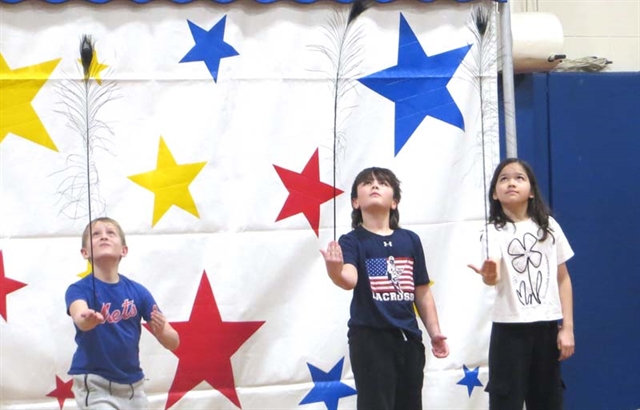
390, 275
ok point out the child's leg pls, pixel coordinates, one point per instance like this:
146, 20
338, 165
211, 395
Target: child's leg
509, 359
545, 388
97, 393
373, 361
411, 376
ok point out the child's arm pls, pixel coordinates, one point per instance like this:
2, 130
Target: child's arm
566, 341
343, 275
163, 331
85, 318
490, 271
429, 316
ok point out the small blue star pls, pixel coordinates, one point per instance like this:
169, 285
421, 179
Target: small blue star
470, 379
418, 85
210, 47
327, 386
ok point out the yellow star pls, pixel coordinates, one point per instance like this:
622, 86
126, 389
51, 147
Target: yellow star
170, 183
18, 88
95, 68
87, 272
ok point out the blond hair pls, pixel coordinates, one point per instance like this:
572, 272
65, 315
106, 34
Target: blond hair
104, 219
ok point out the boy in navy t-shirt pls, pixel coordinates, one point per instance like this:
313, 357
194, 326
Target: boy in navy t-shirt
385, 266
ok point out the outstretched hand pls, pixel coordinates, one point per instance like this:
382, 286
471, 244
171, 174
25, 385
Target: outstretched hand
333, 257
439, 346
488, 271
92, 318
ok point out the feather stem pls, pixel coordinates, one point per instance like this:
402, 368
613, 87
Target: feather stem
86, 57
342, 66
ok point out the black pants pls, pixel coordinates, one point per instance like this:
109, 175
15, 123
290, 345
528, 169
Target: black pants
388, 369
524, 367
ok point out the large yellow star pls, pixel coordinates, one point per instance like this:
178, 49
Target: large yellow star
170, 183
95, 68
18, 88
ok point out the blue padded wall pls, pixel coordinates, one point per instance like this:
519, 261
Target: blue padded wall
581, 133
594, 124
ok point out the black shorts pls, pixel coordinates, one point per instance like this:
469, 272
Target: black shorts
524, 367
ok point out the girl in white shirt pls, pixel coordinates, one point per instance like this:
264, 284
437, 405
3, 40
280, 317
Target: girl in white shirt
527, 251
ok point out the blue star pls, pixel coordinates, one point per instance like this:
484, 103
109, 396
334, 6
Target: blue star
327, 386
210, 47
470, 379
418, 85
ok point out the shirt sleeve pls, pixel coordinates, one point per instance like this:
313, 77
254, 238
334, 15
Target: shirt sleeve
420, 273
75, 292
147, 303
349, 245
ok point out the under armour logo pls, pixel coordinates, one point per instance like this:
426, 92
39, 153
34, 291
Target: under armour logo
387, 243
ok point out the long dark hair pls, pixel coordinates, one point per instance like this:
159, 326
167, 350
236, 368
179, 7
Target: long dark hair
537, 209
381, 175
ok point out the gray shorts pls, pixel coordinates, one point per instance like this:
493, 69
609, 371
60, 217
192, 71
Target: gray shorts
97, 393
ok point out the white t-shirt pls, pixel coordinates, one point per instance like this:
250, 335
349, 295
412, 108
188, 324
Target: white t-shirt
528, 287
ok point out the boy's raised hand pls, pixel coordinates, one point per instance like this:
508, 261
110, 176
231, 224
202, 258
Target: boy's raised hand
488, 271
91, 318
157, 320
333, 257
344, 276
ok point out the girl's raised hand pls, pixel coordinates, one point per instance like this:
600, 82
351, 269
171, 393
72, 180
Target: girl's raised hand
488, 271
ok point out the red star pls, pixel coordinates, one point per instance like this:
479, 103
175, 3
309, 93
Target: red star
62, 391
206, 346
6, 286
306, 192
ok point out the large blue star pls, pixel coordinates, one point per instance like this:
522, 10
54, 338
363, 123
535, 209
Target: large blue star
470, 379
327, 386
210, 47
418, 85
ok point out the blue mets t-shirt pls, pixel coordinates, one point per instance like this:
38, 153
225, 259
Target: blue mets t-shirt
111, 349
389, 269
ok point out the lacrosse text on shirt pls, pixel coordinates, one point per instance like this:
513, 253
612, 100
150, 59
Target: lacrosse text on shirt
391, 279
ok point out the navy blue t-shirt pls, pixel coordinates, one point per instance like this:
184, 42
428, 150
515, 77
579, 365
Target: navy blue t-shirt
111, 349
389, 269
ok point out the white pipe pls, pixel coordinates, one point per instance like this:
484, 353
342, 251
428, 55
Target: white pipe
508, 93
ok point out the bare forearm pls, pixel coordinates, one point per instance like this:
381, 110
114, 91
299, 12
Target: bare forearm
169, 338
84, 318
428, 312
345, 277
83, 324
566, 301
